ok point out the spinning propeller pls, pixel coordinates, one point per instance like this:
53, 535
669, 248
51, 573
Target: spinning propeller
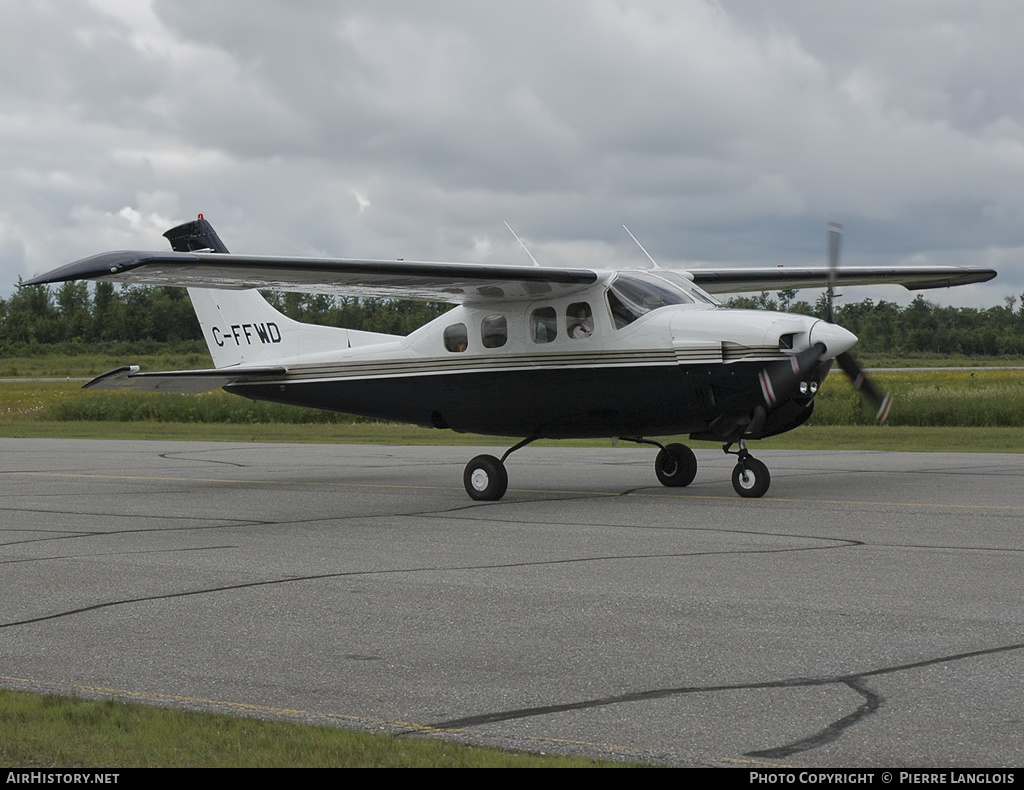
881, 400
781, 382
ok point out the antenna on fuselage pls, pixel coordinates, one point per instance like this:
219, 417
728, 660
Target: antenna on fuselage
641, 246
521, 244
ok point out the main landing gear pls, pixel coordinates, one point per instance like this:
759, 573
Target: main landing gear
675, 466
486, 478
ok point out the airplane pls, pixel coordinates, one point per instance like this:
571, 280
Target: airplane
532, 351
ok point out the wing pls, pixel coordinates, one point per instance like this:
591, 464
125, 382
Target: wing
913, 278
436, 282
455, 283
200, 260
185, 381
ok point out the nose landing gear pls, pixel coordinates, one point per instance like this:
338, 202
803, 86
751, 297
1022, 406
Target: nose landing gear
750, 477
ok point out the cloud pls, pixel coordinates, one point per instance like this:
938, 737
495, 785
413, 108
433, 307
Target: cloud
722, 132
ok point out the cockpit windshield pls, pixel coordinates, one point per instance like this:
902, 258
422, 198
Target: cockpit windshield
687, 285
637, 293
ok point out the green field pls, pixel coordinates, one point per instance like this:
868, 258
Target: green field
81, 361
972, 410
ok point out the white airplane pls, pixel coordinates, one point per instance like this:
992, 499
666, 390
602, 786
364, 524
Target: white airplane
531, 351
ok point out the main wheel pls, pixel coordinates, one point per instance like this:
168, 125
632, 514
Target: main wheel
676, 465
752, 481
485, 478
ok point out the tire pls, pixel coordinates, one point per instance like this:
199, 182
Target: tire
676, 466
756, 480
485, 478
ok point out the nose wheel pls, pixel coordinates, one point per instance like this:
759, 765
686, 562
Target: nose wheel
750, 477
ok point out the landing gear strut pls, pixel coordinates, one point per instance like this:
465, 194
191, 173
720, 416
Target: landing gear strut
675, 466
750, 477
486, 478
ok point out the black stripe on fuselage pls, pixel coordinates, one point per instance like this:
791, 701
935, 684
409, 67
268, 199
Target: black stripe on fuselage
556, 402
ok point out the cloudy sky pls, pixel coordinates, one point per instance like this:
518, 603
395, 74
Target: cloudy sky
721, 133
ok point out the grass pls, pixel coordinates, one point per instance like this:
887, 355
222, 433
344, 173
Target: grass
77, 361
51, 731
844, 437
972, 410
936, 398
920, 359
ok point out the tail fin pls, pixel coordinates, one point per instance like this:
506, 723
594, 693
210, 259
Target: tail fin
242, 328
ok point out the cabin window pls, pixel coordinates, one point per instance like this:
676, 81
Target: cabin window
494, 331
544, 325
579, 320
456, 338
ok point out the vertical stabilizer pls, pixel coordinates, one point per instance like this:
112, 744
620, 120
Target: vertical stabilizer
242, 328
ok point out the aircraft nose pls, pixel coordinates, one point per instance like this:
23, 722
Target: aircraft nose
835, 339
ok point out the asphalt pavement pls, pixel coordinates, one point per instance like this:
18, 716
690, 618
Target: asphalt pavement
866, 612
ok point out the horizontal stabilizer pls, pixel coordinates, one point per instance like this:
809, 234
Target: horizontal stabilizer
185, 381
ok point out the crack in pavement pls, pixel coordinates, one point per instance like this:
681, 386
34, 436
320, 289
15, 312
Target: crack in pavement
855, 681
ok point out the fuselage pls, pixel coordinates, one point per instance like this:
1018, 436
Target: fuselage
636, 354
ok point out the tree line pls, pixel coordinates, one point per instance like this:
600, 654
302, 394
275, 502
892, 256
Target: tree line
76, 313
920, 327
104, 313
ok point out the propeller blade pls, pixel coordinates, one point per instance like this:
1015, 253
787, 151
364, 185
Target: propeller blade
861, 383
835, 236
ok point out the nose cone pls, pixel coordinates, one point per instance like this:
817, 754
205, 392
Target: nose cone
835, 339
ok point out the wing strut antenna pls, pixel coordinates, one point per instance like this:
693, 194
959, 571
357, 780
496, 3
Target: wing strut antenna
521, 244
641, 246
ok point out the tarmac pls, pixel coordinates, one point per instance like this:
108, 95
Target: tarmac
865, 612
